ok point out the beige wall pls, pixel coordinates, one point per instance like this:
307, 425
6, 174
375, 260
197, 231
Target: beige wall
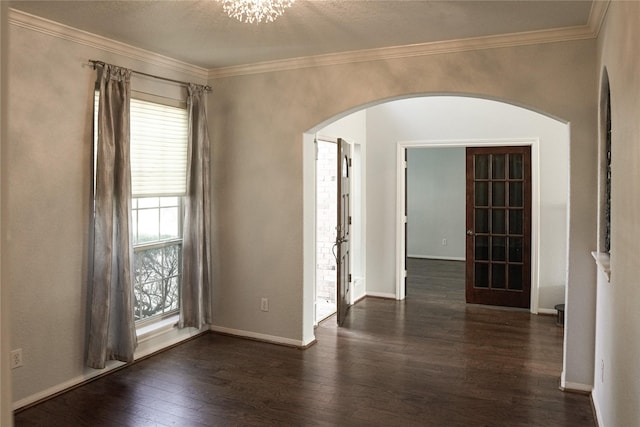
6, 418
257, 124
617, 371
46, 202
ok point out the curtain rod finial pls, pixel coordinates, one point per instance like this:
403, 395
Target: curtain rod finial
95, 64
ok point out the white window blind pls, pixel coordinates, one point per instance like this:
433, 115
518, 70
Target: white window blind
158, 148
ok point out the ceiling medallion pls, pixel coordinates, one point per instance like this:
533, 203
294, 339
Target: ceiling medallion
251, 11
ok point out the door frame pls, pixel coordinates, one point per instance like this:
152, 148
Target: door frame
401, 218
343, 229
358, 240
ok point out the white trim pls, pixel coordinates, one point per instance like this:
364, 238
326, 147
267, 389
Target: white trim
603, 261
386, 295
597, 15
547, 311
535, 226
148, 346
409, 51
325, 138
596, 409
401, 220
61, 31
535, 202
64, 386
576, 387
52, 28
444, 258
449, 143
141, 352
309, 155
151, 330
261, 337
589, 31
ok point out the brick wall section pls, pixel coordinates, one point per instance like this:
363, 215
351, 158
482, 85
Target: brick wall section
326, 220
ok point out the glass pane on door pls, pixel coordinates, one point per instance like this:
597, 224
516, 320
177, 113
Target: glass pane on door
498, 166
482, 194
482, 248
515, 249
516, 196
515, 221
482, 220
498, 276
498, 194
498, 248
482, 275
482, 166
516, 167
498, 223
515, 277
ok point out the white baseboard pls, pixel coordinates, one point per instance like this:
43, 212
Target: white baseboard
260, 337
547, 311
576, 387
58, 388
596, 410
145, 348
381, 295
444, 258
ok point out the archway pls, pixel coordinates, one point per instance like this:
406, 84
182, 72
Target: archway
446, 120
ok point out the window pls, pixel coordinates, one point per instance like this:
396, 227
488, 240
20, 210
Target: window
607, 156
157, 251
158, 184
604, 245
603, 254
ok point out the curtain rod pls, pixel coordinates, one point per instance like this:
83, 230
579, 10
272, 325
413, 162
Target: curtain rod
102, 64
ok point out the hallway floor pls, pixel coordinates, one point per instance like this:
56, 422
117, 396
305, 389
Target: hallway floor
430, 360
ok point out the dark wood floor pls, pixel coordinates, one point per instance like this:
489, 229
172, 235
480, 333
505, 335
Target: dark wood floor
430, 361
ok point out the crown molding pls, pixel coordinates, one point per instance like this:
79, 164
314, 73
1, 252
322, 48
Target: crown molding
409, 51
596, 16
55, 29
589, 31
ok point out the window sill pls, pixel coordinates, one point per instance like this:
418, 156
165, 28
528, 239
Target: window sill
157, 328
603, 261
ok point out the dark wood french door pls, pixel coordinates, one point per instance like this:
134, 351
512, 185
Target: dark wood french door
498, 218
343, 235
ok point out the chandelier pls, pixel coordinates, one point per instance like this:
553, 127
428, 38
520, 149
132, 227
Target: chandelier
251, 11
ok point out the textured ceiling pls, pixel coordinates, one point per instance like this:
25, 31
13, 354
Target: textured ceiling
200, 33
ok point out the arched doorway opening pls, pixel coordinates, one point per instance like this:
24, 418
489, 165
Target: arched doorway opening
440, 121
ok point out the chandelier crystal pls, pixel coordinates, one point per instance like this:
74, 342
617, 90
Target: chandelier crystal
251, 11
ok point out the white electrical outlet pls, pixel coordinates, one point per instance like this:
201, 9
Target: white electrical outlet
16, 358
444, 242
264, 304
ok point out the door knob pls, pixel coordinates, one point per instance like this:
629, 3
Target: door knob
469, 233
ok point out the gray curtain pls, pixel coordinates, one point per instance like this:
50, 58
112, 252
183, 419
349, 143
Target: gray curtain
112, 334
196, 289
